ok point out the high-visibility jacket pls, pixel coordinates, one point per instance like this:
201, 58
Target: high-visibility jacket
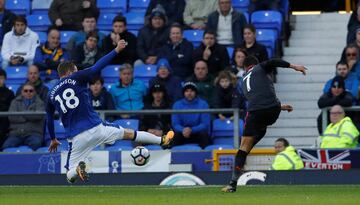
287, 160
343, 134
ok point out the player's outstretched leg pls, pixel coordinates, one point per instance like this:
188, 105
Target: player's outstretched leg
167, 139
79, 172
148, 138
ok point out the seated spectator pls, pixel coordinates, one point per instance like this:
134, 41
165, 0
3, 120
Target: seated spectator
33, 77
286, 157
341, 132
128, 93
19, 45
174, 10
152, 37
191, 128
257, 5
119, 31
179, 52
336, 96
6, 96
353, 24
24, 129
197, 11
88, 24
228, 24
213, 53
156, 99
87, 53
237, 62
350, 55
68, 14
7, 18
203, 81
166, 78
226, 95
351, 81
251, 46
101, 99
49, 55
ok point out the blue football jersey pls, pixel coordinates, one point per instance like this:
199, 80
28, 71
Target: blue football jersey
71, 99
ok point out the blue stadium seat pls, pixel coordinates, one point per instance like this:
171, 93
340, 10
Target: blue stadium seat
46, 149
65, 37
116, 148
19, 7
241, 5
268, 38
108, 86
135, 20
138, 5
105, 32
194, 36
13, 87
104, 21
247, 16
230, 51
153, 147
225, 128
51, 84
59, 131
128, 123
218, 147
267, 19
112, 6
145, 72
223, 141
187, 147
135, 32
38, 22
16, 74
42, 36
40, 6
123, 143
18, 149
284, 7
111, 73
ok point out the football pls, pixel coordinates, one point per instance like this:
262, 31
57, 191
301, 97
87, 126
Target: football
140, 155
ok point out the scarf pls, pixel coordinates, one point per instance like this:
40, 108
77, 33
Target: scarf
55, 53
89, 55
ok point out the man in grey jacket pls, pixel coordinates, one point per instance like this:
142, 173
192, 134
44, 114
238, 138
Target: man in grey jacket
26, 130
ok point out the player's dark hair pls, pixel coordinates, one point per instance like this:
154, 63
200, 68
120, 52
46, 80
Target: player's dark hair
21, 19
2, 72
96, 79
250, 61
64, 67
250, 27
119, 18
342, 63
92, 34
284, 141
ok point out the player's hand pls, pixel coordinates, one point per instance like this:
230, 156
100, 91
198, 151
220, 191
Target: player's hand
53, 145
286, 107
120, 45
299, 68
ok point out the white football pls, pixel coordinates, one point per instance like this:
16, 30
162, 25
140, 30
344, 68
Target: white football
140, 155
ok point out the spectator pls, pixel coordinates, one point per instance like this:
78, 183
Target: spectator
87, 53
228, 24
256, 5
341, 132
7, 20
174, 10
353, 24
26, 130
351, 81
49, 55
213, 53
88, 24
350, 55
128, 93
101, 99
152, 37
179, 52
286, 157
6, 96
197, 11
336, 96
226, 95
119, 31
19, 44
251, 46
237, 62
166, 78
203, 81
68, 14
33, 77
156, 99
191, 128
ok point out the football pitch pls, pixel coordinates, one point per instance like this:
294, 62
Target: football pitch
158, 195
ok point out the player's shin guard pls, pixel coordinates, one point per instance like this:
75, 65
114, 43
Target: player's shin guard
145, 137
240, 160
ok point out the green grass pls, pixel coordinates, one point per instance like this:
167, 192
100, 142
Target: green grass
156, 195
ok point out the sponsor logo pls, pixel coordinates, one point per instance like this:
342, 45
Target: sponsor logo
182, 179
325, 159
244, 178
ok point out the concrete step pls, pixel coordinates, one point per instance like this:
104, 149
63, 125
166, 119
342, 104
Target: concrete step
294, 123
314, 60
319, 34
299, 141
301, 105
300, 114
324, 17
293, 87
290, 132
313, 78
333, 26
298, 96
312, 69
318, 43
306, 51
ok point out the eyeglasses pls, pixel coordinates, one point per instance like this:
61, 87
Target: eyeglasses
336, 113
28, 91
351, 54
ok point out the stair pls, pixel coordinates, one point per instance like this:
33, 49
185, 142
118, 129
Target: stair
317, 42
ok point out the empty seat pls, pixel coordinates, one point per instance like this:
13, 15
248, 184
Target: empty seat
38, 22
241, 5
16, 74
128, 123
105, 21
267, 37
153, 147
18, 149
267, 19
111, 73
186, 147
112, 6
65, 37
230, 51
19, 7
224, 141
225, 128
194, 36
13, 87
145, 72
218, 147
135, 20
138, 5
40, 6
42, 36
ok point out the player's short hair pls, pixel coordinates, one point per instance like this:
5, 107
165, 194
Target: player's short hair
64, 67
250, 61
96, 79
126, 66
284, 141
119, 18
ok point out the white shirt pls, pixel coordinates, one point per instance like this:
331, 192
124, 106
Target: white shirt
224, 31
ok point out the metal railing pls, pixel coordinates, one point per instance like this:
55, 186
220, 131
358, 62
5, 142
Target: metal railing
104, 113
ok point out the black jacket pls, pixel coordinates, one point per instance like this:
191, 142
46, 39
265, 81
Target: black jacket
77, 55
327, 99
228, 98
174, 9
160, 122
150, 41
258, 50
6, 96
7, 23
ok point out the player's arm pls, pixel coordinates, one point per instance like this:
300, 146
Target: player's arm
274, 63
50, 110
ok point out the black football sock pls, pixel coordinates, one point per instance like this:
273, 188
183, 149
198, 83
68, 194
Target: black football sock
240, 159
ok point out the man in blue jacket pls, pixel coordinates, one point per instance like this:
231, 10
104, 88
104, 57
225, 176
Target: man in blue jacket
191, 128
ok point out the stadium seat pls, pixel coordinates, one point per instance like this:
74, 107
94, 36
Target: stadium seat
38, 22
111, 73
223, 141
247, 16
65, 37
138, 5
135, 32
104, 21
40, 6
194, 36
135, 20
59, 131
18, 149
46, 149
241, 5
218, 147
106, 32
116, 148
267, 19
225, 128
187, 147
112, 6
51, 84
267, 37
230, 51
16, 74
13, 87
19, 7
128, 123
42, 36
145, 72
153, 147
122, 143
